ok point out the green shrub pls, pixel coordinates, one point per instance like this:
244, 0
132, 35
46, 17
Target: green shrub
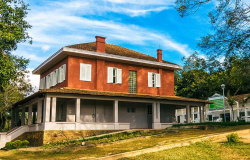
25, 143
9, 145
17, 144
233, 138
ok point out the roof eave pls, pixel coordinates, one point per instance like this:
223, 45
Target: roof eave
85, 53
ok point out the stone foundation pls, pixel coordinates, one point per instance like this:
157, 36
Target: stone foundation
43, 137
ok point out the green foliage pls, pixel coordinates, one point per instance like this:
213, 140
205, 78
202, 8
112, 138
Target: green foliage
13, 27
25, 143
213, 123
233, 138
201, 78
17, 144
230, 24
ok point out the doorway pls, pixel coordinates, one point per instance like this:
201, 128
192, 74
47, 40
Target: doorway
149, 107
178, 119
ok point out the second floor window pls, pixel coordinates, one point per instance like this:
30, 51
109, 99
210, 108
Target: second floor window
154, 79
85, 72
114, 75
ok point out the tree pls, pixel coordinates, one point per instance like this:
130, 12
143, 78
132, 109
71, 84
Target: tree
230, 23
13, 30
201, 78
13, 27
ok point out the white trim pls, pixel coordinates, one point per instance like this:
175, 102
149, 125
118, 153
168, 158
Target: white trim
108, 56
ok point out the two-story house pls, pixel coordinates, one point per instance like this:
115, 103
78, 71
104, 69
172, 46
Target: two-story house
100, 86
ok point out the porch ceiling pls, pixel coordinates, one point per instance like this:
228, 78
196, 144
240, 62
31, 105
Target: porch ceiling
65, 90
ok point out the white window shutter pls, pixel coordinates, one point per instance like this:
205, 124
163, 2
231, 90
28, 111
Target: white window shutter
59, 75
56, 76
150, 79
158, 80
88, 72
119, 76
51, 79
82, 72
110, 75
64, 72
42, 83
48, 81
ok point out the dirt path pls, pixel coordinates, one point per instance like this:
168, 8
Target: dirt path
244, 137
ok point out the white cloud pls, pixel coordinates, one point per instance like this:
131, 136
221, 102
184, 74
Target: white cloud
26, 54
57, 24
45, 47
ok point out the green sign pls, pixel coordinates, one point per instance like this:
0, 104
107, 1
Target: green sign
218, 104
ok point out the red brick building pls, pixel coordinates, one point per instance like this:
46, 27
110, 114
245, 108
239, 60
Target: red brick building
99, 86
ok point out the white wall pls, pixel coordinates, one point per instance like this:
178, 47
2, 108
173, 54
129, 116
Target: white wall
103, 111
137, 119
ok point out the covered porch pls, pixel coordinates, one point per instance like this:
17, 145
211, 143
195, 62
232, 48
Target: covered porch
60, 111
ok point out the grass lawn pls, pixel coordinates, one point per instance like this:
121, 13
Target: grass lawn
77, 151
201, 150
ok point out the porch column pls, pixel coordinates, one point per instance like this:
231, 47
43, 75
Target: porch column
78, 113
53, 110
188, 113
39, 111
30, 115
23, 116
192, 109
246, 114
115, 114
46, 111
230, 114
156, 116
201, 111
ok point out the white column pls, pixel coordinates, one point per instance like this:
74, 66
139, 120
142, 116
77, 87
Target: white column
156, 116
115, 114
46, 111
78, 113
53, 110
230, 114
201, 113
30, 115
188, 113
23, 116
246, 114
192, 113
39, 111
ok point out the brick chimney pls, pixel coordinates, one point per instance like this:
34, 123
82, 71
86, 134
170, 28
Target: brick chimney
100, 44
159, 55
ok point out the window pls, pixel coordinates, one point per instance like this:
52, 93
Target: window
149, 109
242, 114
195, 116
154, 79
114, 75
62, 72
132, 82
248, 113
85, 72
55, 77
42, 83
131, 110
48, 81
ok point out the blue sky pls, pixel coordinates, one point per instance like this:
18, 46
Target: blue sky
142, 25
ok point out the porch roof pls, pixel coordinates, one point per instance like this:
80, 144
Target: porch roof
66, 90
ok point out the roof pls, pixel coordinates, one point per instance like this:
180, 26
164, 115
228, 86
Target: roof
66, 90
241, 97
116, 50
